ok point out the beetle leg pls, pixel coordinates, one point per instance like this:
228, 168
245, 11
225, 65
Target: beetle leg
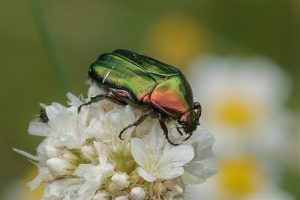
179, 131
188, 137
93, 100
136, 123
165, 129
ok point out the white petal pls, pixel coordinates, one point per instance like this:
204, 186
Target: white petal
196, 173
202, 142
88, 152
54, 110
178, 156
59, 166
43, 176
73, 100
56, 189
171, 173
138, 151
88, 190
148, 177
101, 196
83, 170
94, 90
35, 182
47, 149
28, 155
39, 129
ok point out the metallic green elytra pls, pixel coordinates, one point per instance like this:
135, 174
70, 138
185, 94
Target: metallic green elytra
158, 88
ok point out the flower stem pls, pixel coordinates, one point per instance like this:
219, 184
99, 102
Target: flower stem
47, 40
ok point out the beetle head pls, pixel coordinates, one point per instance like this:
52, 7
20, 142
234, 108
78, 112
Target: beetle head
190, 120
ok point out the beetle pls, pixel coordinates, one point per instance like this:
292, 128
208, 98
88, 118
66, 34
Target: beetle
146, 83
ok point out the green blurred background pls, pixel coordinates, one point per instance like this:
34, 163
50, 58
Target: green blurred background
47, 46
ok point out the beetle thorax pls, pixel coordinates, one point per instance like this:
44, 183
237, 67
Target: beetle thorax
170, 98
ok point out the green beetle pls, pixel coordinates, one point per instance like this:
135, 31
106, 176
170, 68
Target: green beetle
143, 82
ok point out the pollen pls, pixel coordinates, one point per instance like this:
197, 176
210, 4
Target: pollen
149, 152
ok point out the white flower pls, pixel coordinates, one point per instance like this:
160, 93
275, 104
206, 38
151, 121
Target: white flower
242, 103
158, 159
83, 158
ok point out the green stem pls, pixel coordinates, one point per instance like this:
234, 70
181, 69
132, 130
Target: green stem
47, 40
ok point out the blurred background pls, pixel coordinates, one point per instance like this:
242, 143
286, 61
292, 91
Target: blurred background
241, 58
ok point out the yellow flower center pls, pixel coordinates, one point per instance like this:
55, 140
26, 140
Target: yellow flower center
124, 161
177, 38
235, 112
239, 177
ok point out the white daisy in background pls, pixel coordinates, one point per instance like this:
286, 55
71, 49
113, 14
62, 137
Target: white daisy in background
83, 158
242, 102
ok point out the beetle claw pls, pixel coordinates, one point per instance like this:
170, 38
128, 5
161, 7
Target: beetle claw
79, 108
121, 133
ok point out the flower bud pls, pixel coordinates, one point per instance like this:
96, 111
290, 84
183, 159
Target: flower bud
138, 193
69, 156
121, 179
88, 152
59, 166
100, 196
51, 151
121, 198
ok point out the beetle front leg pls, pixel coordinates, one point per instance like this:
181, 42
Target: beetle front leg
179, 131
164, 128
188, 137
136, 123
94, 99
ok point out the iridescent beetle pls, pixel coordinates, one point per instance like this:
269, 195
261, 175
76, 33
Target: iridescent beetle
143, 82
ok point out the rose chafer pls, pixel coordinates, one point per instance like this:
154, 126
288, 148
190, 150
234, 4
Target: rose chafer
143, 82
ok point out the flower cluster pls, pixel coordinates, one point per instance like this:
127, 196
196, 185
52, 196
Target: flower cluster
82, 156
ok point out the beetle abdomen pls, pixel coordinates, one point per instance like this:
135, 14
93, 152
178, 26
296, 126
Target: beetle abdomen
172, 96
